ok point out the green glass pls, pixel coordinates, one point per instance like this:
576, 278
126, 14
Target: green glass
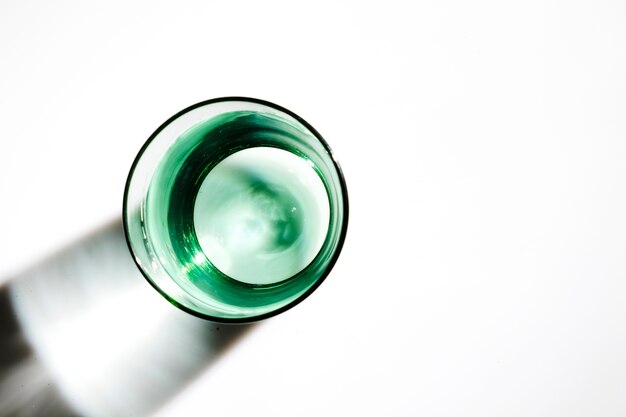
235, 209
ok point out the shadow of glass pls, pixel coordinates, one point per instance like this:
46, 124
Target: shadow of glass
83, 334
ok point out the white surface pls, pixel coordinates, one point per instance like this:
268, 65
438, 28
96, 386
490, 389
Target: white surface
484, 147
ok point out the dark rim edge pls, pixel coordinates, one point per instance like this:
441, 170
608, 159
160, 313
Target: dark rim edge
340, 242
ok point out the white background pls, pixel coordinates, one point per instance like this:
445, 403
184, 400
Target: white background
484, 147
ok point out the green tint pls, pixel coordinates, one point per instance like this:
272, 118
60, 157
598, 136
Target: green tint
243, 214
261, 215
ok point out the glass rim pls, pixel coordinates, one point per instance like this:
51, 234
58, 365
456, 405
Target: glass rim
340, 240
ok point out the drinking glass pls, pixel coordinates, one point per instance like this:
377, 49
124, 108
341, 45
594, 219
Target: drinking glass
235, 209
